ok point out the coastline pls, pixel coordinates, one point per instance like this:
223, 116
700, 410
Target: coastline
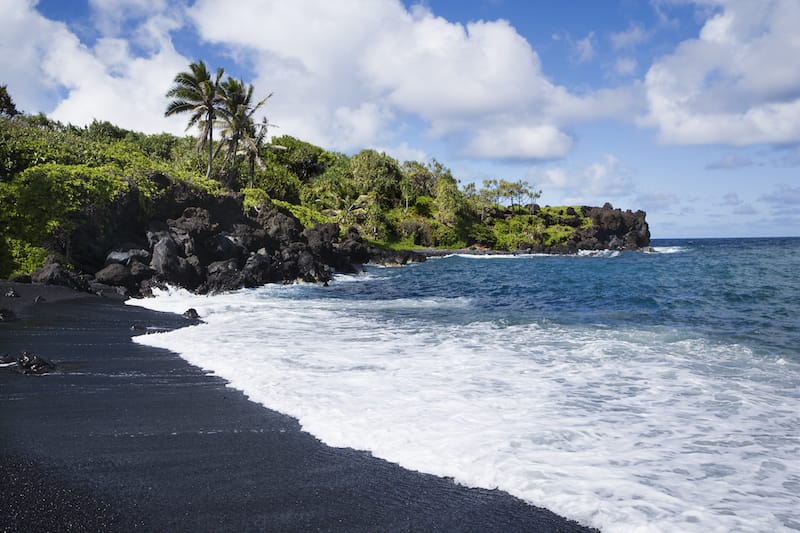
123, 436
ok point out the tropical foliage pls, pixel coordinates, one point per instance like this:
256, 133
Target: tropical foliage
52, 174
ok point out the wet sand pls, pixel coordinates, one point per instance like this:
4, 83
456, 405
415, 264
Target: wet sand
126, 437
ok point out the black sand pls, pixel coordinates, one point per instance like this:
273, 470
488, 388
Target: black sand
124, 437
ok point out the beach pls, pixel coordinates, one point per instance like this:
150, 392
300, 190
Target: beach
122, 436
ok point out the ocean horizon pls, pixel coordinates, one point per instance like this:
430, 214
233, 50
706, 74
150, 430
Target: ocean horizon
631, 391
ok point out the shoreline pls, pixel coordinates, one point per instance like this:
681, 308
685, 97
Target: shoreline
122, 436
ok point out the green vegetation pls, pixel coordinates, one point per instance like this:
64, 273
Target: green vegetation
7, 106
53, 176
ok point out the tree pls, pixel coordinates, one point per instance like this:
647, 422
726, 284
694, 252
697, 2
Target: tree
7, 106
197, 93
237, 113
253, 142
305, 160
379, 174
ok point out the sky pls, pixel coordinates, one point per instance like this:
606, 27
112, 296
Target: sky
687, 109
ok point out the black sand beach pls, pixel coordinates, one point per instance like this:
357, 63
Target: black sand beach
125, 437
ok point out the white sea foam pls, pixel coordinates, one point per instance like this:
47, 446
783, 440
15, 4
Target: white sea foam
599, 253
626, 430
668, 249
497, 256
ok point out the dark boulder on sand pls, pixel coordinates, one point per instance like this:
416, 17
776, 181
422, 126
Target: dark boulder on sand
7, 315
30, 364
116, 274
171, 266
53, 273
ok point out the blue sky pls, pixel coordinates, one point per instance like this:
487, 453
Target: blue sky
688, 109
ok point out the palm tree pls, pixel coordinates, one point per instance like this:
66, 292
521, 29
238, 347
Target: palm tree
197, 93
253, 142
237, 117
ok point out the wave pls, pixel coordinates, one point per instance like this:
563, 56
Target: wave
667, 249
620, 429
599, 253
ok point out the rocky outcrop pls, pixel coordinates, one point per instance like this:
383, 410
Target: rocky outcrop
612, 229
204, 243
607, 229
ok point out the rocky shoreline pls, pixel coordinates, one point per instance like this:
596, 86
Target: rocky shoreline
210, 243
204, 243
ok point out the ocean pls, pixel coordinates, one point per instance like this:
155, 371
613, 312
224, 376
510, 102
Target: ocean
631, 391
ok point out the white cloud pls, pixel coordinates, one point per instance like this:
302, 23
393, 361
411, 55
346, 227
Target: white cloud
625, 66
105, 82
25, 39
523, 142
736, 83
629, 38
594, 183
584, 48
404, 152
111, 16
320, 57
345, 74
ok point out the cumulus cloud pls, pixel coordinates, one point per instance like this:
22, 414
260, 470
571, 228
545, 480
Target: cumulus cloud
26, 38
345, 74
460, 81
538, 142
734, 84
105, 81
112, 16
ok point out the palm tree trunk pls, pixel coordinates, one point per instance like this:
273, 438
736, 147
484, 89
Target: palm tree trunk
210, 151
252, 169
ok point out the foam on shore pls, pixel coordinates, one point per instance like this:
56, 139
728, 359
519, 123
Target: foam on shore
626, 430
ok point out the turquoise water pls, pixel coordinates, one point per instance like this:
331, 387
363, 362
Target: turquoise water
629, 391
